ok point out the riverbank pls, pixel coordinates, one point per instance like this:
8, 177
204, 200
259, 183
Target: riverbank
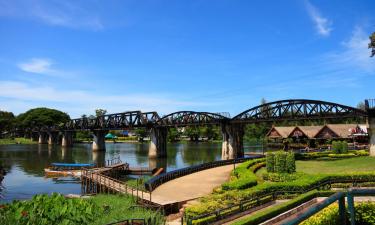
13, 141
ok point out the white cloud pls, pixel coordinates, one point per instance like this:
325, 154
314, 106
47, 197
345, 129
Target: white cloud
67, 13
322, 24
37, 65
355, 53
78, 102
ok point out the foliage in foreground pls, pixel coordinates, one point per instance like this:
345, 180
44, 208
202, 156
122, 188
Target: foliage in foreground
56, 209
364, 215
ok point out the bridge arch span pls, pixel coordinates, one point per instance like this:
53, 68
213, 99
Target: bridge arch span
297, 109
190, 118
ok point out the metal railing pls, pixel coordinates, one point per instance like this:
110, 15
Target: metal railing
94, 182
370, 103
154, 182
340, 197
270, 196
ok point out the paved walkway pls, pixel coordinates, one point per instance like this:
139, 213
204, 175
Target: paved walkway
191, 186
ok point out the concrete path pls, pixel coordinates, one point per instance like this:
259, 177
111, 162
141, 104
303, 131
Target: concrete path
191, 186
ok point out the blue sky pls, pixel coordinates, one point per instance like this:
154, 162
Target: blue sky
203, 55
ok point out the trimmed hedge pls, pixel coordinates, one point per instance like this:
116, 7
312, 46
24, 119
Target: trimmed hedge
342, 156
281, 162
243, 176
328, 154
269, 213
270, 162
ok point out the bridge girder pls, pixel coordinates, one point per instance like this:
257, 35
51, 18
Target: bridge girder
190, 118
297, 109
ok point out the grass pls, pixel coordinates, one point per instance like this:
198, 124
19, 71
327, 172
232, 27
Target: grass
357, 164
123, 207
9, 141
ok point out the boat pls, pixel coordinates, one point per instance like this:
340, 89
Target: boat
66, 169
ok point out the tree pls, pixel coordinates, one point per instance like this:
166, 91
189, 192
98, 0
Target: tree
141, 133
173, 135
6, 121
361, 105
193, 133
100, 112
372, 44
42, 117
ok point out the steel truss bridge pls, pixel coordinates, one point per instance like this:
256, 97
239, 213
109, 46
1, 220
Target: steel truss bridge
283, 110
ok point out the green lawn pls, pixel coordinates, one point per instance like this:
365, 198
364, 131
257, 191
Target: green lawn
123, 207
357, 164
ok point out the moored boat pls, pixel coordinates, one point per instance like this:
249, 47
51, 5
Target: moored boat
66, 169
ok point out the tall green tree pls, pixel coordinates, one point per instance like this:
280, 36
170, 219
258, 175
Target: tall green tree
42, 117
371, 45
6, 121
100, 112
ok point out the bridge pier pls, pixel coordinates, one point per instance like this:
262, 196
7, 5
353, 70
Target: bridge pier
158, 144
371, 131
98, 143
232, 146
34, 137
67, 139
53, 137
42, 138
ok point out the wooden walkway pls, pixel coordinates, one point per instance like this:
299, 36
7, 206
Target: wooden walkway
176, 191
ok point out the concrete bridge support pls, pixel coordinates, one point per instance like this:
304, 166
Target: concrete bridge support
98, 143
43, 138
371, 132
67, 139
158, 144
53, 137
34, 137
232, 146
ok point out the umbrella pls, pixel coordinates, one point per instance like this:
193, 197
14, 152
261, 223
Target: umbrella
110, 136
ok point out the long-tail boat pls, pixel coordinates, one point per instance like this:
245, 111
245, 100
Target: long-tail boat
66, 169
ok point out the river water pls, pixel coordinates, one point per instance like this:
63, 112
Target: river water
25, 163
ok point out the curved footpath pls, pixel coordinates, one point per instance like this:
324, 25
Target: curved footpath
191, 186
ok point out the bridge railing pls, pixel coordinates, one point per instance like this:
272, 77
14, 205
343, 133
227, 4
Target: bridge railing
154, 182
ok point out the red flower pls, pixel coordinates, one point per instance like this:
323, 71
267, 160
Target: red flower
24, 213
2, 206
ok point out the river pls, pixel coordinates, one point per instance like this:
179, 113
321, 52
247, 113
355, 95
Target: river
25, 163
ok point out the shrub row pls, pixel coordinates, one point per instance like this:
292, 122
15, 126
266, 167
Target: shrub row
243, 176
329, 154
304, 183
269, 213
281, 162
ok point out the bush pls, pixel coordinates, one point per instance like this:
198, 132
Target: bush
360, 152
290, 163
280, 162
344, 147
364, 215
54, 209
342, 156
243, 176
281, 177
340, 147
270, 162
